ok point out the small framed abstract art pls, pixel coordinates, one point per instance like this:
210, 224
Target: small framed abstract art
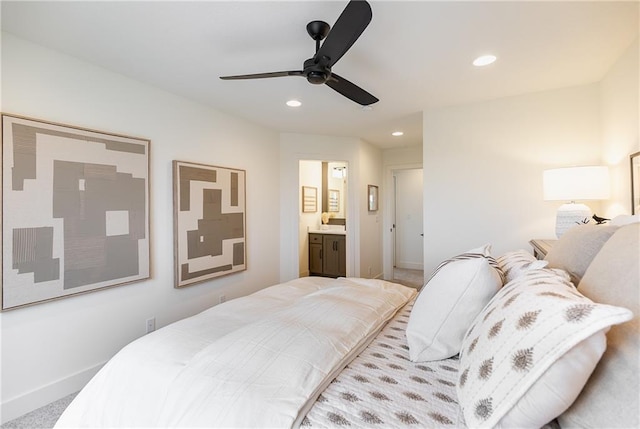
75, 210
309, 199
209, 221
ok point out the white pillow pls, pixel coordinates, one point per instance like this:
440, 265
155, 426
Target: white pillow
456, 292
531, 350
513, 264
577, 247
613, 278
625, 220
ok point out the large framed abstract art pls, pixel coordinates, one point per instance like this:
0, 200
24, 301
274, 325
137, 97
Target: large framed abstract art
209, 222
75, 210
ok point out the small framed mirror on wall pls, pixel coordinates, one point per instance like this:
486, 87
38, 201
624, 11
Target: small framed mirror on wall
373, 198
635, 183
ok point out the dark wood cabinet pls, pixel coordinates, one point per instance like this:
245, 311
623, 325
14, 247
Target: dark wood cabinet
327, 255
334, 250
315, 254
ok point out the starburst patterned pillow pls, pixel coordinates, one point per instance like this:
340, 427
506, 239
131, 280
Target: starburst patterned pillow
528, 354
514, 263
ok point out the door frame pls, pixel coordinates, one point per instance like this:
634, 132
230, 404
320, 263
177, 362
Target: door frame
388, 236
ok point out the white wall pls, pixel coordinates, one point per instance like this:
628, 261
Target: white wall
620, 122
410, 157
50, 350
370, 173
483, 166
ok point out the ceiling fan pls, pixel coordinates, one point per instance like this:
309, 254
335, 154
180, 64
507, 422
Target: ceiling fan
317, 70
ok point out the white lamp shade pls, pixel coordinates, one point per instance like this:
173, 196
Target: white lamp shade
576, 183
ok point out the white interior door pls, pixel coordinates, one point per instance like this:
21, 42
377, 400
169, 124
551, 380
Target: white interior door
408, 219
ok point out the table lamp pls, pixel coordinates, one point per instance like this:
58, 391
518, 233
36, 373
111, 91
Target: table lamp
571, 184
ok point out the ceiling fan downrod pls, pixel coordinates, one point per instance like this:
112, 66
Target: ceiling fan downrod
318, 30
315, 69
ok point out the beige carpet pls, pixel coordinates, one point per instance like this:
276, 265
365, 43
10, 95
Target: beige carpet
42, 418
412, 278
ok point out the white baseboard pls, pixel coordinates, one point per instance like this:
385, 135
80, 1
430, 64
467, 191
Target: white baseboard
23, 404
410, 265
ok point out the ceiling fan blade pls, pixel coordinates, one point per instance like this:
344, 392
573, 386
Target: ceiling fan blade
263, 75
350, 90
350, 24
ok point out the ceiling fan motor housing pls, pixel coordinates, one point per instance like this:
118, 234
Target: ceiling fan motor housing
316, 73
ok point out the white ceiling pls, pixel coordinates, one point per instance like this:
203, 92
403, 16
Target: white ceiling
413, 56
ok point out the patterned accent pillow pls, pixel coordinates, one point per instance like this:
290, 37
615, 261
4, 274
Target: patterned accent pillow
457, 291
483, 252
531, 350
513, 264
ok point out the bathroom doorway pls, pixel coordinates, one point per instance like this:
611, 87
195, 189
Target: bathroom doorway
328, 181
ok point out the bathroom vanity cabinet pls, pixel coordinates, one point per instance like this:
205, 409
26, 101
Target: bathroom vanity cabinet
327, 255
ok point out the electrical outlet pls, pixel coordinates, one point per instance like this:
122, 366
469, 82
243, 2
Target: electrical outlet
151, 325
222, 299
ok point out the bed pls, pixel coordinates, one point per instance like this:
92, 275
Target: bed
480, 346
257, 361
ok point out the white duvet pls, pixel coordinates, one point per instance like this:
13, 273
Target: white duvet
257, 361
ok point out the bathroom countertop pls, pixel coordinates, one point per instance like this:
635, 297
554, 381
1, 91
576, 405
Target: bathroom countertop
328, 231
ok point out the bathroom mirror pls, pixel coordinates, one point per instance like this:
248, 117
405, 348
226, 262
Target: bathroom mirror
334, 188
334, 200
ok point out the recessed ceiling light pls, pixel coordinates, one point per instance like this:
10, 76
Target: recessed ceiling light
484, 60
294, 103
397, 133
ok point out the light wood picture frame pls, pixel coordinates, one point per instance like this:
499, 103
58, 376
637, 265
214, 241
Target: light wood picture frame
209, 222
309, 199
75, 210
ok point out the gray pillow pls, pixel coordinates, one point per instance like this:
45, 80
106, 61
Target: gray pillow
577, 247
610, 397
